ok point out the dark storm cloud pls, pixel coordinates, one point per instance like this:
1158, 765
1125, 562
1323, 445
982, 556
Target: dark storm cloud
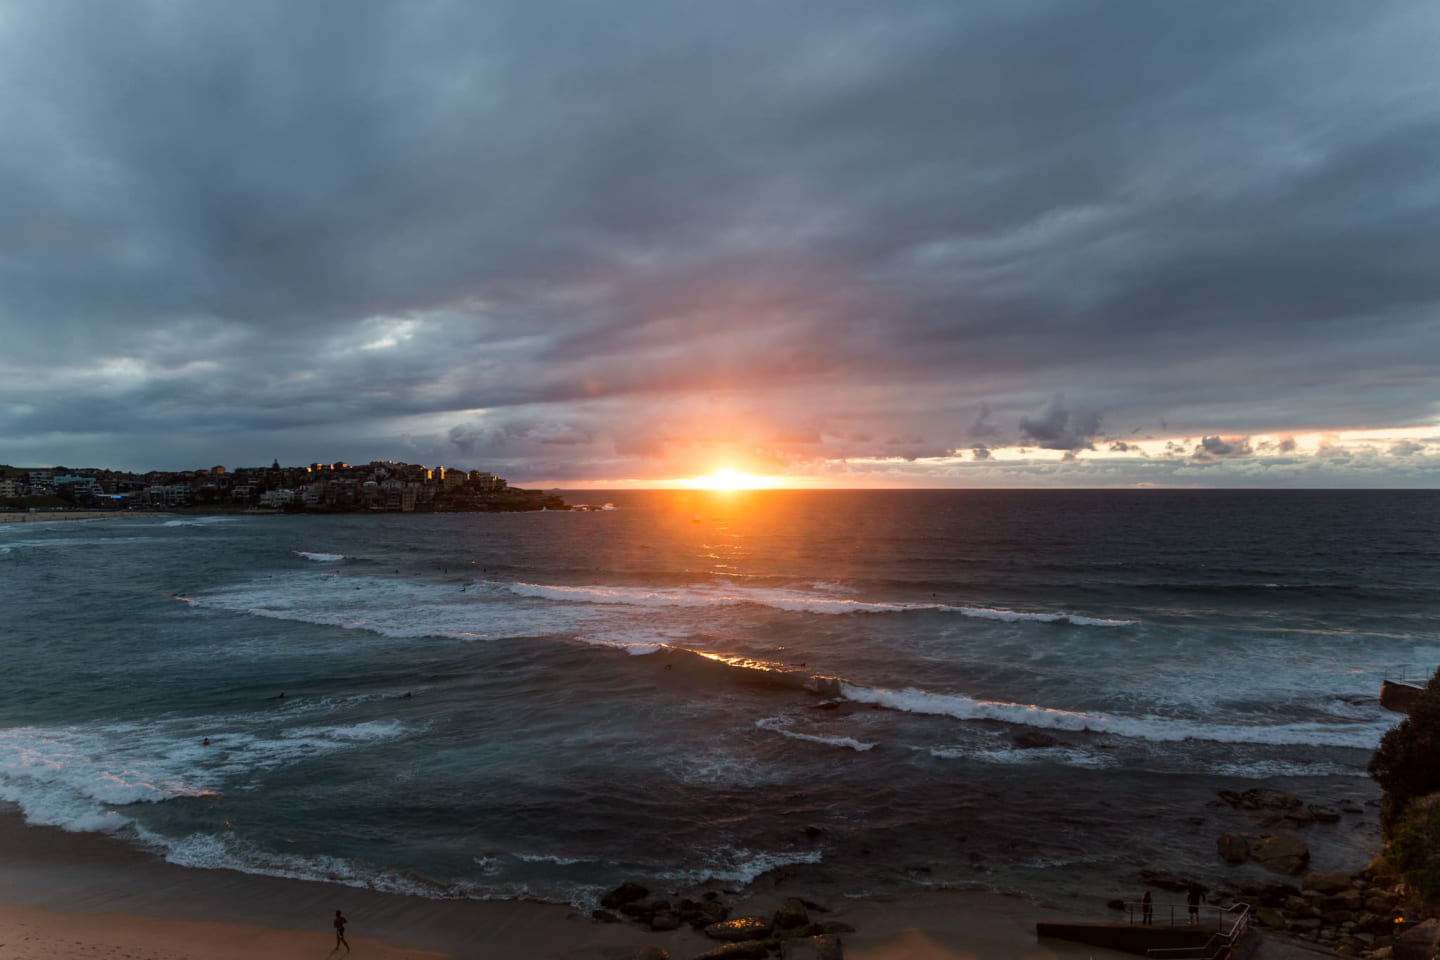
1215, 448
1055, 427
360, 220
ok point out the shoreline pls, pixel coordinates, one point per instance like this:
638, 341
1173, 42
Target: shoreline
81, 895
44, 516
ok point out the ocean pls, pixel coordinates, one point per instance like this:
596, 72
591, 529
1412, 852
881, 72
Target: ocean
862, 693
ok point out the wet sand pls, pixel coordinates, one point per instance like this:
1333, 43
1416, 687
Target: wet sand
84, 895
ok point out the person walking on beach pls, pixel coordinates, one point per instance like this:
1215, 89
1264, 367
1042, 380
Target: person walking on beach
340, 932
1147, 908
1194, 897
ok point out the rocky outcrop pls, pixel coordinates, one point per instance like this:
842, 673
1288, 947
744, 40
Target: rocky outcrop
791, 931
1351, 913
1420, 942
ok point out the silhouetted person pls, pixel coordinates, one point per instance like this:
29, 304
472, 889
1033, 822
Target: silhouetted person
1194, 897
340, 931
1147, 908
205, 742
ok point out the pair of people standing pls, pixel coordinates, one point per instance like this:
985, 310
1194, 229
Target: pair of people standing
1194, 896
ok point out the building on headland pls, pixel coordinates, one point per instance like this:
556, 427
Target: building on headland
337, 487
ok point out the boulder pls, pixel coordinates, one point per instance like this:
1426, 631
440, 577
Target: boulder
1233, 847
625, 893
1281, 853
808, 930
741, 928
740, 950
1032, 739
791, 914
811, 948
1333, 882
1323, 814
1378, 901
646, 953
1419, 942
1270, 917
1347, 901
664, 921
603, 916
1275, 894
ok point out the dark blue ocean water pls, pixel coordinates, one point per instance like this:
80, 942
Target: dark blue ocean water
695, 687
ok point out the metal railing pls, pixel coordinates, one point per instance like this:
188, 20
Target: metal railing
1232, 925
1174, 915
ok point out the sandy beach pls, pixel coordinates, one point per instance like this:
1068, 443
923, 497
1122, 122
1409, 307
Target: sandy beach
71, 895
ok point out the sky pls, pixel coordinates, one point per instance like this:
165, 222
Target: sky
1016, 243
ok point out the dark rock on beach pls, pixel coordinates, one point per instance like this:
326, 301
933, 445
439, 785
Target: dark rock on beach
740, 928
1033, 739
625, 893
740, 950
792, 914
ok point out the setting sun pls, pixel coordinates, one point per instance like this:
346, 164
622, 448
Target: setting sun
727, 478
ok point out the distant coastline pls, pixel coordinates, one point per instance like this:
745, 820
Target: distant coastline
387, 486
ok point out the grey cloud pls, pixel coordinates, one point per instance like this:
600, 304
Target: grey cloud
981, 425
1057, 428
879, 220
1215, 448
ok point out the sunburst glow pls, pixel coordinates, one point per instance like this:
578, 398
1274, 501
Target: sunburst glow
727, 478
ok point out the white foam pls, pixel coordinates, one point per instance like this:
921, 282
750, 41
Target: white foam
699, 595
636, 648
68, 777
1158, 729
73, 777
550, 858
394, 608
1066, 755
741, 866
320, 557
781, 725
219, 852
1268, 769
